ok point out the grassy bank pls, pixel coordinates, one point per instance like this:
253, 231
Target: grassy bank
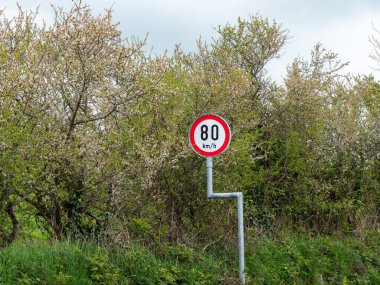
289, 260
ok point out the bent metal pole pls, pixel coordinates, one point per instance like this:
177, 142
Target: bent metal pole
239, 198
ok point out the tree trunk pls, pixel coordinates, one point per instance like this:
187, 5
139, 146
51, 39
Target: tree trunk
15, 223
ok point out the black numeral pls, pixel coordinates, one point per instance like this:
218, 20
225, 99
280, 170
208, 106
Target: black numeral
214, 132
204, 132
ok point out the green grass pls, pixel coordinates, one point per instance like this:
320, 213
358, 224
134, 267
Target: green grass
74, 263
289, 260
315, 260
44, 263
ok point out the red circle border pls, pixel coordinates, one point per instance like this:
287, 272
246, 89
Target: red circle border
225, 126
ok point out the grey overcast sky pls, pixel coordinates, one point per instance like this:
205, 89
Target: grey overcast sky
341, 26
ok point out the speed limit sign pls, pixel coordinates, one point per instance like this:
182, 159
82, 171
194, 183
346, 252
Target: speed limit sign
210, 135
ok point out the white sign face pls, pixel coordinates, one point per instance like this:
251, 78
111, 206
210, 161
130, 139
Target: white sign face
210, 135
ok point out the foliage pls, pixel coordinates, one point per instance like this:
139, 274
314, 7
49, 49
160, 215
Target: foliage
94, 141
289, 259
314, 260
323, 149
59, 85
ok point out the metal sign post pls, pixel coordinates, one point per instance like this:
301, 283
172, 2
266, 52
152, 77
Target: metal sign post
239, 197
209, 136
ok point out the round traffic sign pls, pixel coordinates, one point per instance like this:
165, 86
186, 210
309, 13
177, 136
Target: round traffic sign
210, 135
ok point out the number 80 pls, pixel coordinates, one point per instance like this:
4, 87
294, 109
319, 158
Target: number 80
214, 132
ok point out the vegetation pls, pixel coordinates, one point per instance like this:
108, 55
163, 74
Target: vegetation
94, 147
289, 260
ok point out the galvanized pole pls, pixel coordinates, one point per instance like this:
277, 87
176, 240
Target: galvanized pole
239, 197
240, 236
